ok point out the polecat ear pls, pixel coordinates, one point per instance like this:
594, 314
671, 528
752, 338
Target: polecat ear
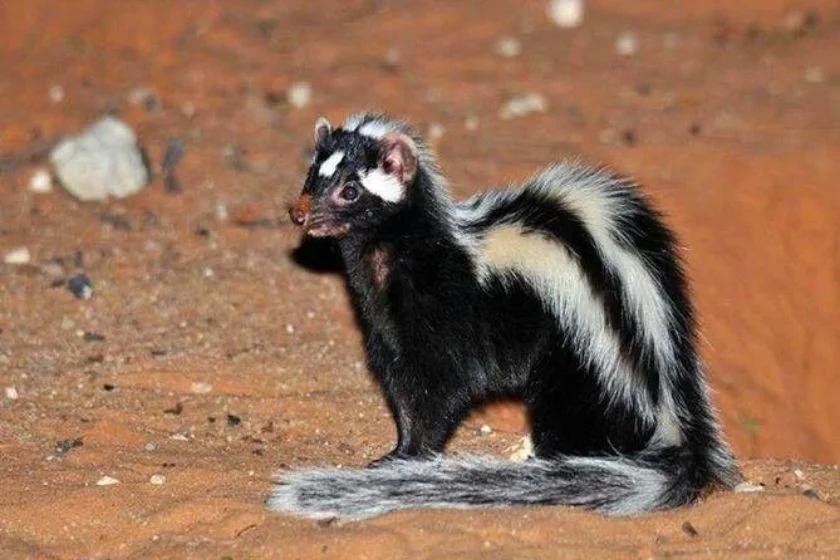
399, 156
322, 129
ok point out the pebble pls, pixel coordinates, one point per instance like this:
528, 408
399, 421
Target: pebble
471, 123
19, 255
436, 131
157, 479
485, 430
799, 474
81, 286
145, 97
566, 14
102, 161
523, 450
814, 75
40, 182
12, 393
747, 487
392, 60
627, 44
176, 148
299, 95
151, 446
508, 47
67, 323
107, 481
522, 105
201, 388
179, 437
56, 94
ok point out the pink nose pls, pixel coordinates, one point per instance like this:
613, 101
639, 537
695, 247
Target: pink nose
300, 211
298, 216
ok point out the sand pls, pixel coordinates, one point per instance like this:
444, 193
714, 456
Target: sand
211, 354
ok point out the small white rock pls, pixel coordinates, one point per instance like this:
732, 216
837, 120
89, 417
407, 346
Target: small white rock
485, 430
627, 44
290, 328
566, 14
12, 393
151, 446
436, 131
208, 272
56, 94
107, 481
201, 388
799, 474
508, 47
179, 437
471, 123
142, 95
40, 182
299, 95
102, 161
814, 75
523, 450
18, 255
157, 479
522, 105
745, 487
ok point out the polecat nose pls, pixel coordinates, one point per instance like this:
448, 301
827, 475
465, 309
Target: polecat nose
298, 216
300, 211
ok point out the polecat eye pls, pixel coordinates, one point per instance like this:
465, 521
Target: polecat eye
350, 192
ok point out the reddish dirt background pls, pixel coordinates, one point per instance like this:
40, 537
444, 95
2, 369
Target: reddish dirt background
729, 114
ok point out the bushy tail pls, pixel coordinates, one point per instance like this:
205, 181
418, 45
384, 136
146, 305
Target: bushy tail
614, 485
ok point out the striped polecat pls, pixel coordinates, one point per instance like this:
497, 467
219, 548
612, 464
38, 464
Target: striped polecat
565, 293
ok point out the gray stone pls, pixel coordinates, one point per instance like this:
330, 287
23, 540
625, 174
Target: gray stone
103, 161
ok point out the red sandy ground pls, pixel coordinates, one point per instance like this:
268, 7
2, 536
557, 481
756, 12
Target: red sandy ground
728, 113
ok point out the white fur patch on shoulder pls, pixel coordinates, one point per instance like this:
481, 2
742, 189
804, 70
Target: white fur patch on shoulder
387, 187
330, 164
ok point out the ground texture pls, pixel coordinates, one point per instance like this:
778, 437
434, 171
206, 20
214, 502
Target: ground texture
209, 357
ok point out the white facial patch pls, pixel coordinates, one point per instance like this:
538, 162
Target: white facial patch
330, 164
385, 186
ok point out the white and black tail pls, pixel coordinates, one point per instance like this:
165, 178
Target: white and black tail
650, 481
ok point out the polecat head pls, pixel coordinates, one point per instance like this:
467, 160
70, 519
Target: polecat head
361, 173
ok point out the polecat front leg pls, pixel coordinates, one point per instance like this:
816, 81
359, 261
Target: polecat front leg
425, 412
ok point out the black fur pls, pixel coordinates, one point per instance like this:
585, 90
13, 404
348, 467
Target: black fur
441, 338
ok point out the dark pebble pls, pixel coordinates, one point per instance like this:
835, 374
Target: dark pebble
811, 493
175, 410
107, 387
116, 221
81, 286
695, 129
629, 137
95, 359
689, 529
176, 148
65, 445
93, 337
233, 420
157, 353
